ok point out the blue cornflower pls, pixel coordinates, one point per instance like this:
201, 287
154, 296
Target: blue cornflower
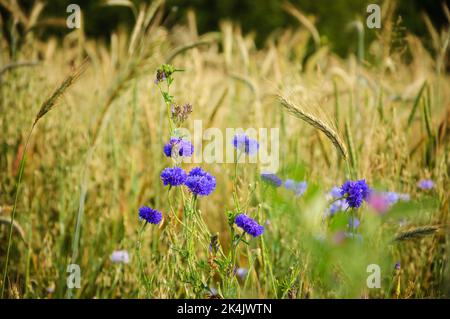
200, 182
355, 192
245, 144
353, 222
242, 273
150, 215
120, 256
391, 197
249, 225
297, 187
425, 184
178, 147
173, 176
290, 184
271, 179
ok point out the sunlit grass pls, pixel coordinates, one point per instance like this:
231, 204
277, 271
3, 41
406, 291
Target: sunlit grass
91, 163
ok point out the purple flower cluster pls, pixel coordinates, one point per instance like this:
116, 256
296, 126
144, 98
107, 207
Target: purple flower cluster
178, 147
200, 182
355, 192
245, 144
150, 215
298, 188
249, 225
271, 179
173, 176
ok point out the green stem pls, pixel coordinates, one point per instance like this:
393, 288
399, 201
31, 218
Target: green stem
144, 277
13, 213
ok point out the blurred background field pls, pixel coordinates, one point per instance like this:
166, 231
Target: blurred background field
96, 157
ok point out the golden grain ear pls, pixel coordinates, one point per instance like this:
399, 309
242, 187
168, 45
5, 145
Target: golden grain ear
418, 232
65, 84
315, 122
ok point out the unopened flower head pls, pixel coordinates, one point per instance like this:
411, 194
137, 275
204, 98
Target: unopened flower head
150, 215
181, 113
160, 76
164, 73
249, 225
355, 192
200, 182
173, 176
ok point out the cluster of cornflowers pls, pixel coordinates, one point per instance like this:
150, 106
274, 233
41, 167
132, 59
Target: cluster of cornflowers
247, 145
351, 195
198, 181
348, 197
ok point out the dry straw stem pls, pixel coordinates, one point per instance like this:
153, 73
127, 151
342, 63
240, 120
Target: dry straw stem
11, 66
7, 221
290, 8
417, 232
315, 122
53, 99
189, 46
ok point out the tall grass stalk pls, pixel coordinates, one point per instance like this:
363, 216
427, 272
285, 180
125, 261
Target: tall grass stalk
48, 105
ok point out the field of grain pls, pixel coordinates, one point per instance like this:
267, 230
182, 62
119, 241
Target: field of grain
82, 130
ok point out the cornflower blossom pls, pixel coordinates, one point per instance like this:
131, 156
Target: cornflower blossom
150, 215
249, 225
173, 176
178, 147
355, 192
245, 144
200, 182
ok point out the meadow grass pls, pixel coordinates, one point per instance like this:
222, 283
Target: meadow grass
95, 159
